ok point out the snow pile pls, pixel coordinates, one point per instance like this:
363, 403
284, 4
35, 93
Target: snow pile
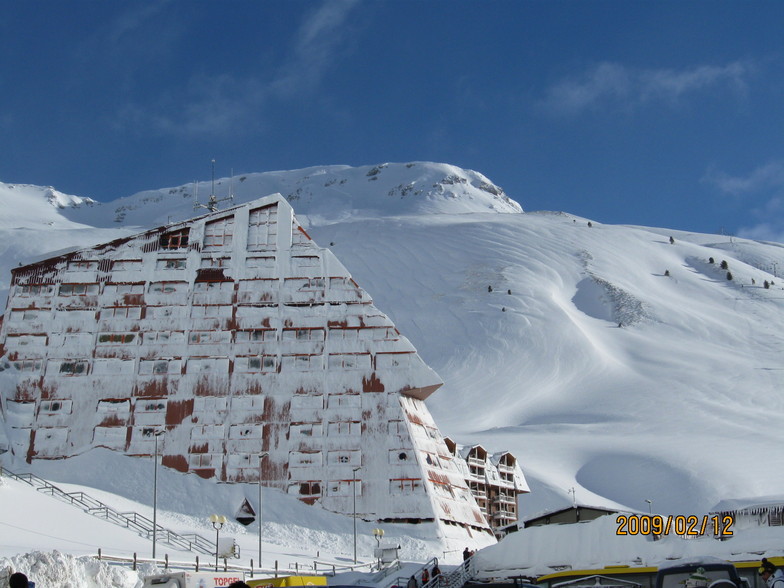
595, 544
59, 570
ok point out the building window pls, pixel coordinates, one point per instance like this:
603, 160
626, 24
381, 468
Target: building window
211, 311
263, 228
260, 263
159, 367
175, 239
73, 368
344, 428
302, 363
310, 488
343, 488
349, 361
78, 289
122, 265
55, 406
405, 485
303, 334
298, 235
218, 234
172, 264
82, 265
35, 290
116, 338
209, 337
28, 365
305, 430
303, 262
211, 262
121, 312
265, 364
255, 335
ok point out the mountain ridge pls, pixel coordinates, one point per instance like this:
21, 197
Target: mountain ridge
607, 358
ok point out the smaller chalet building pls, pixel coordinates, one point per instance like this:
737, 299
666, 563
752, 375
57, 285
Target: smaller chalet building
751, 512
494, 480
254, 355
572, 514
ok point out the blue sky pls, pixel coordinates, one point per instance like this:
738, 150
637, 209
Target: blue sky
666, 114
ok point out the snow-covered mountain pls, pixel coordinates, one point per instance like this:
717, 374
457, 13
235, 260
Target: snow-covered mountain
616, 363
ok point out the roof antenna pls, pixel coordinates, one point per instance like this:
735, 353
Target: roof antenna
212, 202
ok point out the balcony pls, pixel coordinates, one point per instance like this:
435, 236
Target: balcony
504, 514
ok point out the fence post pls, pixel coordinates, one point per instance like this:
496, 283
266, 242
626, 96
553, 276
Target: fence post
99, 554
197, 563
134, 561
251, 567
276, 568
166, 559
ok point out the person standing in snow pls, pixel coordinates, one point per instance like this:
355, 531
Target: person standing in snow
18, 580
436, 573
466, 554
773, 576
412, 583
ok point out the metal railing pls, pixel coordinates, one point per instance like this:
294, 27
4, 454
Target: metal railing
453, 579
130, 520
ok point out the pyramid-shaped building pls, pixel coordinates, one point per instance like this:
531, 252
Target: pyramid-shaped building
247, 349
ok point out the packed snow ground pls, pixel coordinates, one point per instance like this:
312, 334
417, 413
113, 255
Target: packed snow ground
294, 536
617, 366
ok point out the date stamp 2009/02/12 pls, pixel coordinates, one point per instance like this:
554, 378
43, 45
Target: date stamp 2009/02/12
688, 525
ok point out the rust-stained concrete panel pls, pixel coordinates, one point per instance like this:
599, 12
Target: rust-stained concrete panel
234, 334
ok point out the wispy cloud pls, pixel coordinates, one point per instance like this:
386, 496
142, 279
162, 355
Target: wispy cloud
617, 86
766, 178
223, 104
133, 19
605, 82
315, 47
763, 191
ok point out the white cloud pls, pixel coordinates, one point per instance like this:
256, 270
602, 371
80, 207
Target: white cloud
315, 47
222, 104
606, 81
765, 178
614, 85
763, 185
672, 84
132, 20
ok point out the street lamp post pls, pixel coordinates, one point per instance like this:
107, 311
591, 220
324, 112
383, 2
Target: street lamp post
650, 505
354, 488
378, 534
262, 455
217, 522
155, 494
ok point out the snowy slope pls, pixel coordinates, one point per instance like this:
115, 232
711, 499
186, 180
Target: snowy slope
679, 404
667, 407
326, 194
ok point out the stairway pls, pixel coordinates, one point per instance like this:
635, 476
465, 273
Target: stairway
130, 520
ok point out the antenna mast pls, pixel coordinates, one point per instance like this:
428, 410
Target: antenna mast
212, 202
